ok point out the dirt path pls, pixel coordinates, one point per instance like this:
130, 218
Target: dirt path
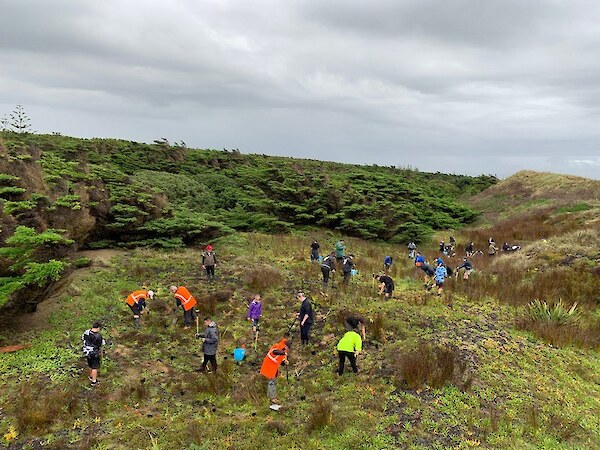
39, 320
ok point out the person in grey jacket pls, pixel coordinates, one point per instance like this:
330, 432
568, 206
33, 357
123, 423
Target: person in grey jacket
210, 342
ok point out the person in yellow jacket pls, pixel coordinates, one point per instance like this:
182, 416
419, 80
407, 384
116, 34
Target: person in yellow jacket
349, 346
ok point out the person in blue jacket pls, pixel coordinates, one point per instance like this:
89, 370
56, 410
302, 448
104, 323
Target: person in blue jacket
440, 274
387, 263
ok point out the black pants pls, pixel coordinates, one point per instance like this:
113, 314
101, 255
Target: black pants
189, 316
213, 362
210, 273
325, 273
347, 276
305, 332
351, 357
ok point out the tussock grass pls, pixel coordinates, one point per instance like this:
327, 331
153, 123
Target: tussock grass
427, 365
262, 278
320, 414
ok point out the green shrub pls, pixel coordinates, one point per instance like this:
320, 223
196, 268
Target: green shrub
71, 201
11, 190
6, 178
556, 313
18, 207
41, 273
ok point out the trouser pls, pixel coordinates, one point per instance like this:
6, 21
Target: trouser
314, 255
210, 273
351, 357
188, 317
271, 390
325, 273
347, 276
213, 362
137, 310
305, 332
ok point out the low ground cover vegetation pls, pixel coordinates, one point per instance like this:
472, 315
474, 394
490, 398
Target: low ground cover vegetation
437, 372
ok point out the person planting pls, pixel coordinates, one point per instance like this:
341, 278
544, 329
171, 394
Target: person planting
386, 285
184, 299
468, 266
276, 356
137, 303
440, 274
327, 267
349, 346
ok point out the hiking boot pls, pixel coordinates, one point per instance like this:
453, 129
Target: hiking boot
95, 383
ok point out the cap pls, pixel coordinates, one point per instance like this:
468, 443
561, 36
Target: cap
209, 247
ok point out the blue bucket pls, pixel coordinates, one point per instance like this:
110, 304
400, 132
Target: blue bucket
239, 354
320, 259
354, 272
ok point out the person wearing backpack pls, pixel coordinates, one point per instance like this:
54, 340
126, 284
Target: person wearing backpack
412, 247
92, 350
209, 263
347, 266
440, 274
327, 267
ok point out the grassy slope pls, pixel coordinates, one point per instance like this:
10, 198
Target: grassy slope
523, 393
527, 190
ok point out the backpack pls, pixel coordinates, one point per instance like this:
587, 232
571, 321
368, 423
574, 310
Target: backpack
88, 349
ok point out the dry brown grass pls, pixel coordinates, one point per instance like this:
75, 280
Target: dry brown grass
320, 414
262, 278
434, 366
250, 389
36, 407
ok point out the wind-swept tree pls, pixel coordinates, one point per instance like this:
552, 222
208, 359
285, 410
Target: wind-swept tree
19, 120
4, 123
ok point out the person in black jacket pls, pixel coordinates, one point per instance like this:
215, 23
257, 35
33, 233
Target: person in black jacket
306, 317
386, 285
468, 266
314, 251
92, 350
347, 266
327, 266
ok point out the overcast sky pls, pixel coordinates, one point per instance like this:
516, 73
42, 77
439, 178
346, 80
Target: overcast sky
471, 87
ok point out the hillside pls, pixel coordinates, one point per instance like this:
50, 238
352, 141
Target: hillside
451, 372
482, 366
109, 193
529, 192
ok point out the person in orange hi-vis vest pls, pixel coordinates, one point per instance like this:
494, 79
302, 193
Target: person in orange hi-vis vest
276, 356
187, 301
137, 302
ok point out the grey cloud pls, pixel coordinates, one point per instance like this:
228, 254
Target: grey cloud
459, 86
